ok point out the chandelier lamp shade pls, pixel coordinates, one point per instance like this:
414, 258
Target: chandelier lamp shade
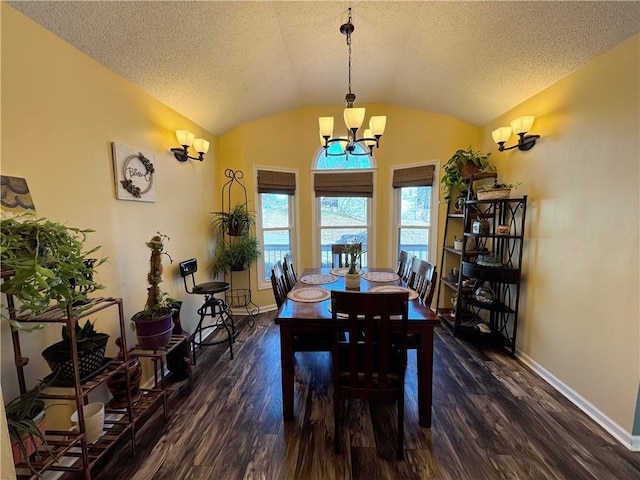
187, 139
519, 126
353, 119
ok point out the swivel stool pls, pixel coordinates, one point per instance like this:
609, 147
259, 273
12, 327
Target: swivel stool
213, 307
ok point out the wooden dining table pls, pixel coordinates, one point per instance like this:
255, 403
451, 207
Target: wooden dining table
300, 317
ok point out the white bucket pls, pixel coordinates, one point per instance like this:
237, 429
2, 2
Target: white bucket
93, 420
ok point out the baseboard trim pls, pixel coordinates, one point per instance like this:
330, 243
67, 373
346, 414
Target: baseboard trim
632, 442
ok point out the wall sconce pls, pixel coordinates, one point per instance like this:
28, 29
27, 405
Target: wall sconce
186, 139
519, 126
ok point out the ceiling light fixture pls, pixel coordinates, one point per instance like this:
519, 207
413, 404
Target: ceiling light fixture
353, 118
187, 139
519, 126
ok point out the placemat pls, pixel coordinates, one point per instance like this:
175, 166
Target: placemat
395, 288
341, 272
309, 295
318, 279
380, 276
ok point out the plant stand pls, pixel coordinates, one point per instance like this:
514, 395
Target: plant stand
237, 297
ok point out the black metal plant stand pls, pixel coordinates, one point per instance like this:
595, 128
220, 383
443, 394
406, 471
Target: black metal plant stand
237, 297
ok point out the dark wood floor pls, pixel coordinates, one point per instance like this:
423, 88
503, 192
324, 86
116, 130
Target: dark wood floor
492, 419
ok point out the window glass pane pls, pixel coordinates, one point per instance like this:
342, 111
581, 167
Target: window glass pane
415, 241
277, 243
275, 210
337, 211
415, 207
337, 160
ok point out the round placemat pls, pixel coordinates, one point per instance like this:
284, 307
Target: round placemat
380, 276
395, 288
318, 279
309, 295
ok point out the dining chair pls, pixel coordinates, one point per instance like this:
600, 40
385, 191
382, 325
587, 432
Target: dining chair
422, 279
339, 257
366, 363
279, 283
404, 265
289, 271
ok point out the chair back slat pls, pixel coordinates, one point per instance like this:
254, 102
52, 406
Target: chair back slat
289, 271
422, 279
339, 255
405, 260
278, 283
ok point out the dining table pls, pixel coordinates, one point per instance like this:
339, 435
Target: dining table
307, 311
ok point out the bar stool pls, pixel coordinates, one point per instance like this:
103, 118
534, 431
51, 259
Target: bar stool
213, 307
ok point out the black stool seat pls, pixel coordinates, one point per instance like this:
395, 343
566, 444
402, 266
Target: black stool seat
213, 307
211, 287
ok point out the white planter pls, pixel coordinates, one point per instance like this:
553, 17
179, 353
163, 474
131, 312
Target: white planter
457, 245
93, 420
352, 281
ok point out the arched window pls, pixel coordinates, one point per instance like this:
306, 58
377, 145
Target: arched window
343, 185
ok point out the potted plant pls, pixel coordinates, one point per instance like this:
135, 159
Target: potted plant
462, 164
44, 263
235, 222
354, 253
496, 191
26, 423
153, 325
235, 254
91, 347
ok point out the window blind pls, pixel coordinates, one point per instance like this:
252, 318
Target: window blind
421, 176
276, 182
344, 184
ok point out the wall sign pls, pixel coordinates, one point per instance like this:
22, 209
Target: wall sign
135, 174
16, 198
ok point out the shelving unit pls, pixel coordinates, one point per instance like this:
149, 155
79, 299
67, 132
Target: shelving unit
495, 320
69, 452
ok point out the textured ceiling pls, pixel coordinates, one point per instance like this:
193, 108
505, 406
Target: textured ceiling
222, 64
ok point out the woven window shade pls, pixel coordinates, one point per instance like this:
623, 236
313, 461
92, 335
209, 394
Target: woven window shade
413, 177
345, 184
276, 182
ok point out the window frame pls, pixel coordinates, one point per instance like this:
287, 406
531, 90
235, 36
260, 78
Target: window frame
294, 220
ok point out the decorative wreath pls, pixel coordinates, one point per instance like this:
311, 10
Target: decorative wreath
128, 184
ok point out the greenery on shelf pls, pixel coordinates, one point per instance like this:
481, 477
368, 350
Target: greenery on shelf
235, 254
459, 166
23, 414
158, 305
500, 186
235, 222
47, 263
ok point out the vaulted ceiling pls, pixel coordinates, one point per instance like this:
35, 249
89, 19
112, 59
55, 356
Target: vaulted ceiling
224, 63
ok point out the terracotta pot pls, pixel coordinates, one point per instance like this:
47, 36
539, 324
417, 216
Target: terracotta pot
31, 442
117, 384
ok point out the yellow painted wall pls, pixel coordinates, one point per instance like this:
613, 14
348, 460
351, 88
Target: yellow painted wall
580, 316
60, 112
290, 140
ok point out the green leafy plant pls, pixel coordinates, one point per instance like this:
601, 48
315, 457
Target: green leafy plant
235, 254
22, 414
86, 336
45, 263
455, 172
235, 222
354, 252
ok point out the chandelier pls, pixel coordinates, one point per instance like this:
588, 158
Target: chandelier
353, 118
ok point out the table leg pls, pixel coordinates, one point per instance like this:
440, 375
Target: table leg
424, 357
286, 363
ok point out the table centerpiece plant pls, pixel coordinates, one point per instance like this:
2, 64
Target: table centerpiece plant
354, 253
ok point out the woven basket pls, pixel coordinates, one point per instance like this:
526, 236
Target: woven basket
494, 194
58, 356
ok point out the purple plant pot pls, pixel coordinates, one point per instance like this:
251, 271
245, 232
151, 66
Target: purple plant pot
156, 333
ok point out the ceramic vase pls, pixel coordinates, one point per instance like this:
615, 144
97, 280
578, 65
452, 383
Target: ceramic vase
352, 281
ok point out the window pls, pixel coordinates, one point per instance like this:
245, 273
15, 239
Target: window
276, 220
413, 210
343, 201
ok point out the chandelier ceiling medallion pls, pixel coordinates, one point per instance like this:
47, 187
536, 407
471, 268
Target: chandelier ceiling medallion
353, 118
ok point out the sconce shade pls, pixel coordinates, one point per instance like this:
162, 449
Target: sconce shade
370, 142
377, 125
501, 134
353, 117
326, 127
185, 137
201, 145
522, 124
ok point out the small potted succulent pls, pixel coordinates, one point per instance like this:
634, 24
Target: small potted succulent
91, 347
